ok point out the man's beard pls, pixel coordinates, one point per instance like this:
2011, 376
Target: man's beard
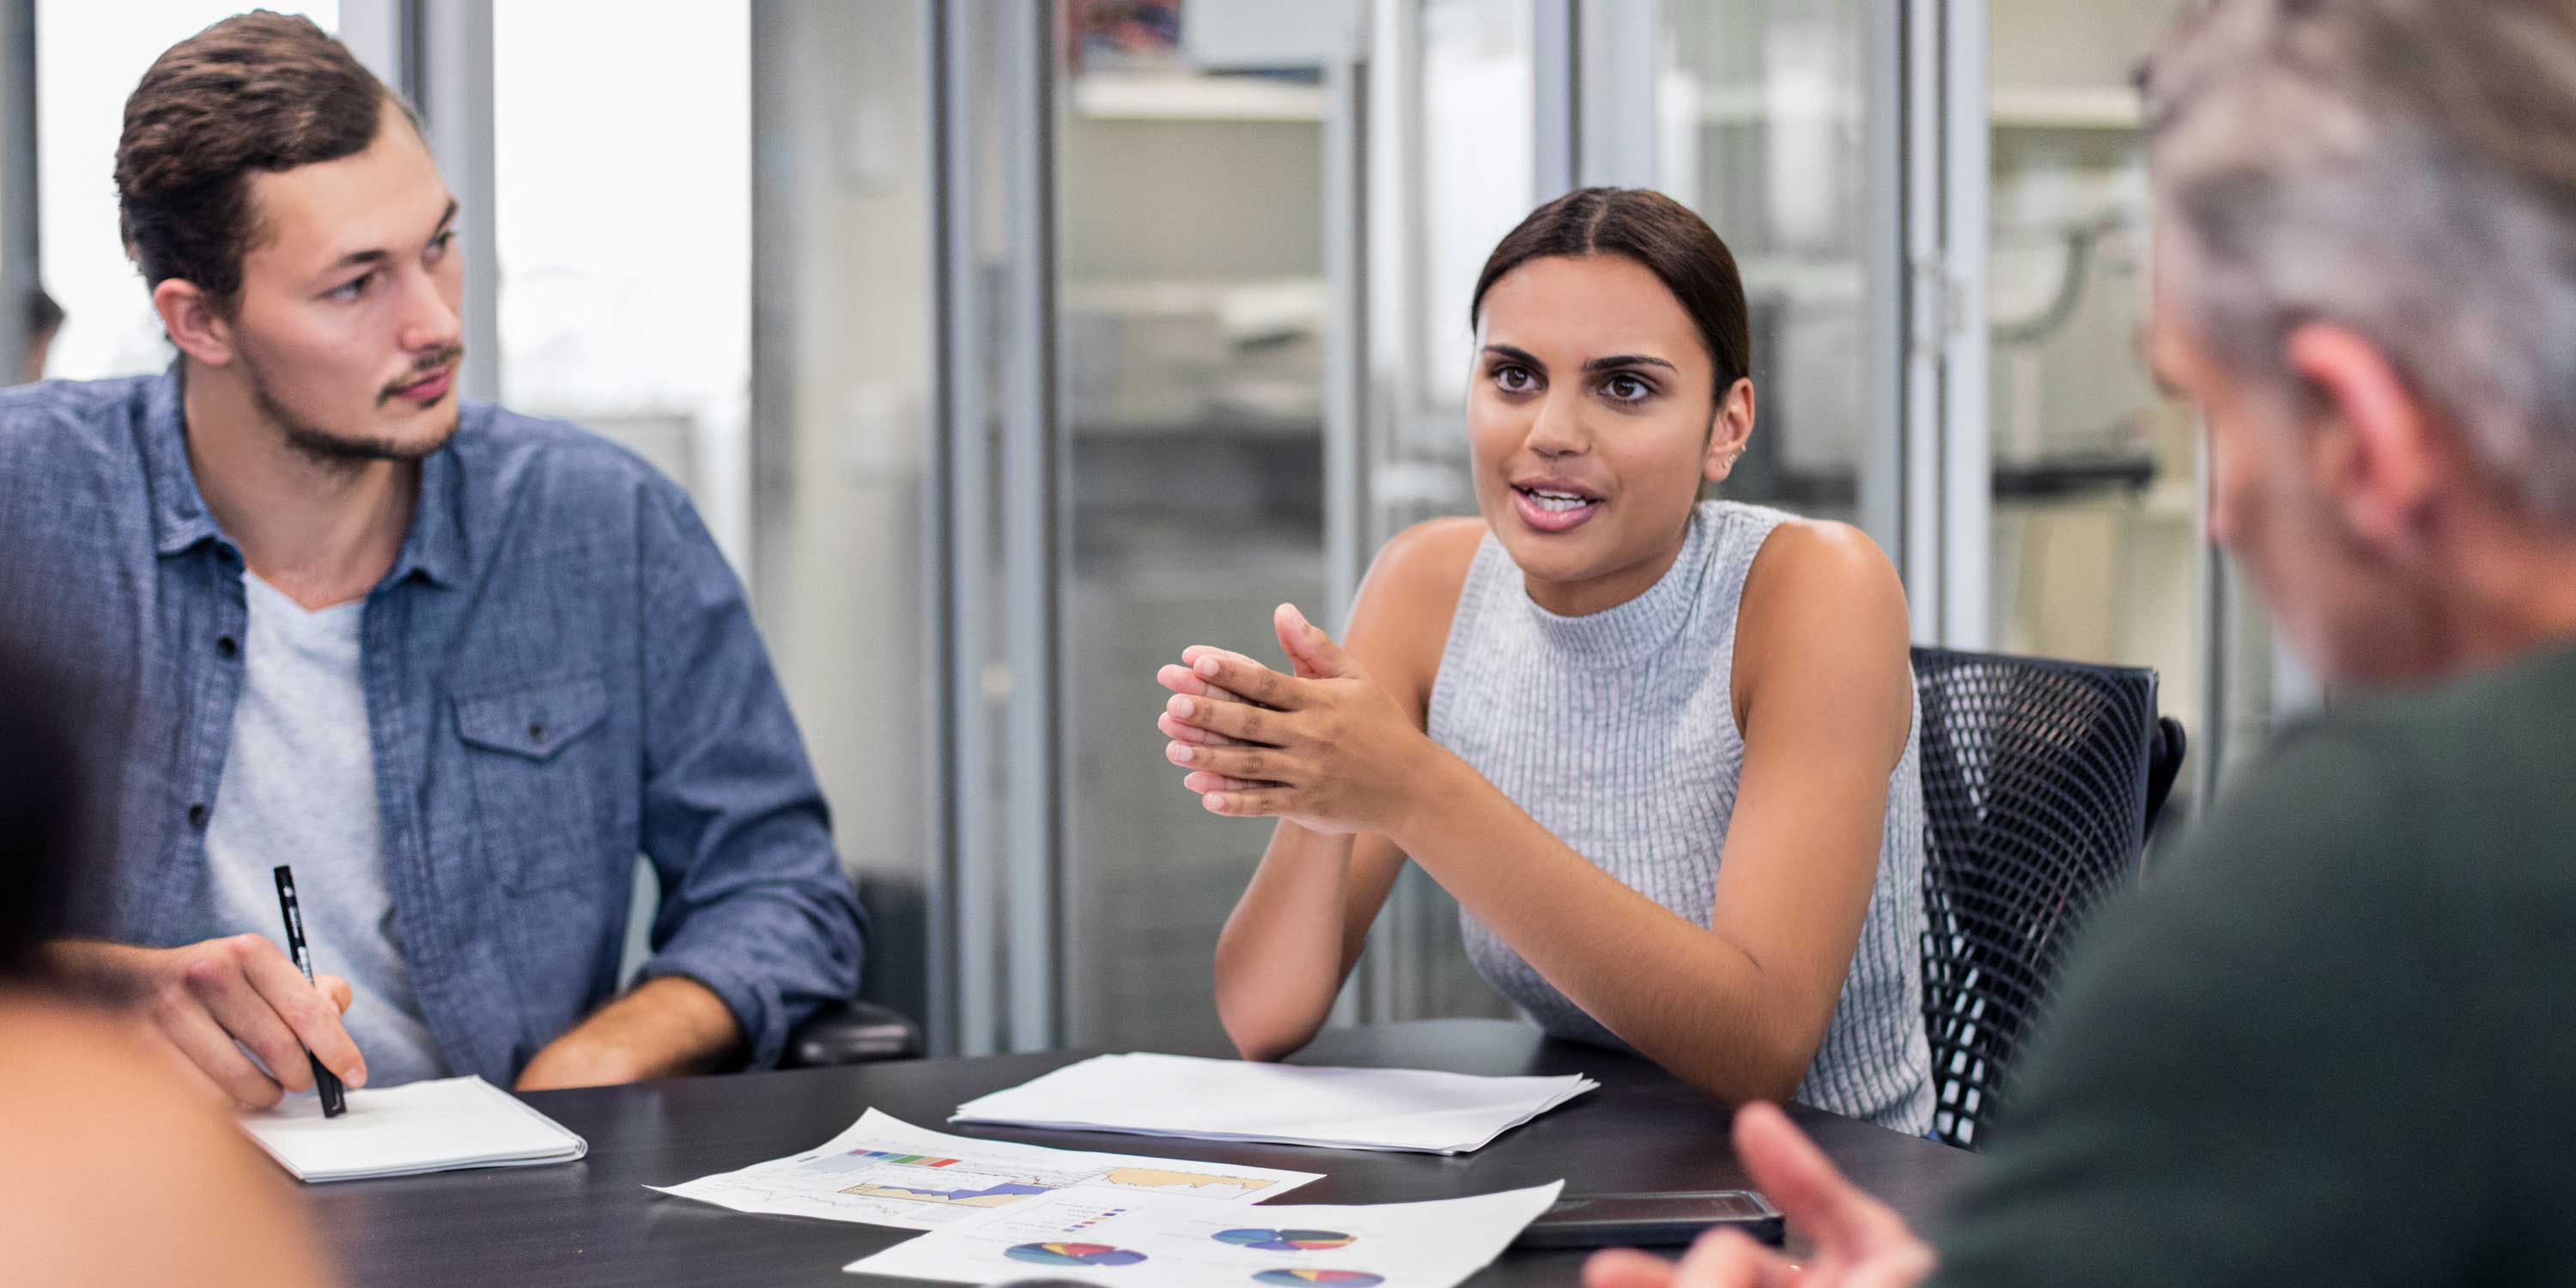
329, 447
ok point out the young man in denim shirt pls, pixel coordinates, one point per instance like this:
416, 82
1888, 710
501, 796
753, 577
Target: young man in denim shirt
455, 665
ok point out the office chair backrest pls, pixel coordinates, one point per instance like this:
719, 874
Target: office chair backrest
2039, 781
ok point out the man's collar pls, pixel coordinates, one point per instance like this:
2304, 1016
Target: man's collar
179, 517
435, 548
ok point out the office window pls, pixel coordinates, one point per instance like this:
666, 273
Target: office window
622, 191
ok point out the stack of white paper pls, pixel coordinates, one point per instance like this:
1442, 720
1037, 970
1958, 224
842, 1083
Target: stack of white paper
1158, 1241
436, 1126
1334, 1108
884, 1171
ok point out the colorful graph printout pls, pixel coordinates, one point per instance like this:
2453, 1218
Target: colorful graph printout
1073, 1254
1287, 1240
884, 1171
1182, 1244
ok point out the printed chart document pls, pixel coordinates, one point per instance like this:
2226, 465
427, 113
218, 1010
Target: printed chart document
1286, 1104
441, 1125
884, 1171
1157, 1241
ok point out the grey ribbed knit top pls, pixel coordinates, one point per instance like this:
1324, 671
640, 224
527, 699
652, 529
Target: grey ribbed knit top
1616, 731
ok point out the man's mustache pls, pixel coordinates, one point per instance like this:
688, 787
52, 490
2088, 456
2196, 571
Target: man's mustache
421, 370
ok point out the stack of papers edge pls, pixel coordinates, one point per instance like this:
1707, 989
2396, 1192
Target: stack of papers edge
1327, 1107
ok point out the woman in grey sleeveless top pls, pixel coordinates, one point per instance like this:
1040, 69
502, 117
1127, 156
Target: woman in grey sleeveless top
1661, 749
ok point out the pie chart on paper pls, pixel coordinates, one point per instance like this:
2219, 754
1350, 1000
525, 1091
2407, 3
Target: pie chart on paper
1074, 1254
1287, 1240
1301, 1278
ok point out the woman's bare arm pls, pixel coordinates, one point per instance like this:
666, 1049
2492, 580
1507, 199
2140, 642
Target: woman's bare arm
1302, 920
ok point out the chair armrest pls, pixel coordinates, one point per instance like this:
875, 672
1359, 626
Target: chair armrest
2164, 764
852, 1033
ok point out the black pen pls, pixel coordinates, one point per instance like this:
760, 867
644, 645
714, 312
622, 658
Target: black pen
334, 1102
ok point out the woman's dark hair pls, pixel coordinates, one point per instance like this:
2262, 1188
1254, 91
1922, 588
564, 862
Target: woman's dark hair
1644, 225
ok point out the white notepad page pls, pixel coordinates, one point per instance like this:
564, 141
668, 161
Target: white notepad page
435, 1126
1241, 1100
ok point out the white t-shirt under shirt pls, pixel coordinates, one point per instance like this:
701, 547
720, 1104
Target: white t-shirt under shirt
299, 788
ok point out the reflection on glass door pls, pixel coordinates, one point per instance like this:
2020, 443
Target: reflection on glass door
2097, 550
843, 363
1192, 309
1765, 110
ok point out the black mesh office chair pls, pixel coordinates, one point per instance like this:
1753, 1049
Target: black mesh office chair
2041, 781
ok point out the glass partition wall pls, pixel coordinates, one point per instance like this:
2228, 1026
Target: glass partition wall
1013, 346
1769, 124
1192, 309
1941, 231
845, 502
2097, 548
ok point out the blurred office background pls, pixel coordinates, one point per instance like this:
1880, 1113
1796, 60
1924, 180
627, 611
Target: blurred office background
1011, 347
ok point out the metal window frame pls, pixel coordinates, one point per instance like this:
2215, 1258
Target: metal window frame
1967, 440
1556, 96
1034, 482
1348, 502
21, 244
439, 56
938, 625
1001, 558
1946, 513
1882, 452
1615, 52
452, 87
1928, 320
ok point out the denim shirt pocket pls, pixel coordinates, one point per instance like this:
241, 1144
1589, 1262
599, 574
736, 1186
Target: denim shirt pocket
533, 804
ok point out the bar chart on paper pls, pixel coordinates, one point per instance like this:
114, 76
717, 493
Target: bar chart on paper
886, 1172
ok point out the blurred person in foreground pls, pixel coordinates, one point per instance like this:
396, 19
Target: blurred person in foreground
2328, 1043
457, 666
84, 1099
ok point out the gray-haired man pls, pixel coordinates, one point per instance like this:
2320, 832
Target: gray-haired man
2330, 1044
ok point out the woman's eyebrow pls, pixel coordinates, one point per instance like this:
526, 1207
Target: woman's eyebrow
1521, 356
1618, 360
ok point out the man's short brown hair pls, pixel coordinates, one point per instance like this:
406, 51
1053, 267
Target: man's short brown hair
257, 91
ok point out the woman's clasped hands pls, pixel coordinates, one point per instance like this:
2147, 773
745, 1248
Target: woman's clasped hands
1325, 747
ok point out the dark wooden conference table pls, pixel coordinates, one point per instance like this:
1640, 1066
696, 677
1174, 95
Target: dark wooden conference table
594, 1223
